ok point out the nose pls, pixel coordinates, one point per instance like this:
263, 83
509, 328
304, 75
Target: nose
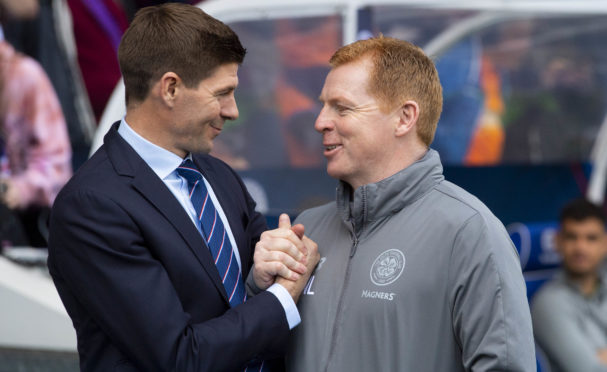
323, 121
229, 109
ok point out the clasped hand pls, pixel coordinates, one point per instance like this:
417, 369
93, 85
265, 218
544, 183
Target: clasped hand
285, 256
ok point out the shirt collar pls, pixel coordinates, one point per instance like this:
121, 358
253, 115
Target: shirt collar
162, 161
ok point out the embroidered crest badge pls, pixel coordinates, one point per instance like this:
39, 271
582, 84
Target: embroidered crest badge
387, 267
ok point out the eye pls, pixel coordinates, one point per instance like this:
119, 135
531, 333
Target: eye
342, 110
224, 93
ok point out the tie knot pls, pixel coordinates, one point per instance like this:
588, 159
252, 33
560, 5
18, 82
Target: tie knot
189, 171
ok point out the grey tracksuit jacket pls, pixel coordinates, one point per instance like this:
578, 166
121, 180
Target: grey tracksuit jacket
416, 275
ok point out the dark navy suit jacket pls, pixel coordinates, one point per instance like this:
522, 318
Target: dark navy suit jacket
137, 279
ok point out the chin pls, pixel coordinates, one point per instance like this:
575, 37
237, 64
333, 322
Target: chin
336, 175
580, 272
334, 171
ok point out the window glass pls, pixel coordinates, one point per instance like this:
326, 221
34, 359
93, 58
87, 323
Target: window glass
280, 81
517, 90
273, 144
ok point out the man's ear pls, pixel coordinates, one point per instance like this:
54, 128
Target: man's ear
408, 114
170, 83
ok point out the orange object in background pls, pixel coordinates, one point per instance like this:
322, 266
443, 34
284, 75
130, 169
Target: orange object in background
304, 44
487, 141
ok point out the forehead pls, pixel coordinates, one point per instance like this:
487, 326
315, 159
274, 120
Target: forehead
349, 81
225, 75
587, 225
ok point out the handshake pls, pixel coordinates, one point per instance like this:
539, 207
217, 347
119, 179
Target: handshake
285, 256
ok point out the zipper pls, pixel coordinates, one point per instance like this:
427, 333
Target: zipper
347, 276
341, 298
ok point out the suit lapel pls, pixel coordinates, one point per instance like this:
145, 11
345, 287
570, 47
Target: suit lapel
165, 203
146, 182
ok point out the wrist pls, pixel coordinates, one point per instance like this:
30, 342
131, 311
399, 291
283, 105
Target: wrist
262, 283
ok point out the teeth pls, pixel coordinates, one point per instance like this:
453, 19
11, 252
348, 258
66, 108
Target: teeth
332, 147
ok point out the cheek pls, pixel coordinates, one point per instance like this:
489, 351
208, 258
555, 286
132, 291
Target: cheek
208, 115
214, 108
204, 109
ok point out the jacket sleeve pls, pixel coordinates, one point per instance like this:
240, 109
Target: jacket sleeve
98, 255
558, 333
490, 313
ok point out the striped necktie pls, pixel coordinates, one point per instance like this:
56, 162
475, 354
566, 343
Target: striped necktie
216, 237
214, 233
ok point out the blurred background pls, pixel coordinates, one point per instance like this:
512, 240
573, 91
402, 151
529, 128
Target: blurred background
523, 124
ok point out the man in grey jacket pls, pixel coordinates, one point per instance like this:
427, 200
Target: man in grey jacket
416, 274
570, 311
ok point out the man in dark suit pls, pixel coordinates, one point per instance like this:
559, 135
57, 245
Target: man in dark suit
131, 250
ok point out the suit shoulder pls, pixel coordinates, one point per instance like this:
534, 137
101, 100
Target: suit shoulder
96, 174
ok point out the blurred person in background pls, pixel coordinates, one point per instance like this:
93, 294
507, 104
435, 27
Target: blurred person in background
570, 312
74, 41
34, 146
21, 9
48, 37
546, 121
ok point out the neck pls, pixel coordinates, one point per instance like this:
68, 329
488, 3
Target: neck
586, 283
409, 150
150, 124
402, 157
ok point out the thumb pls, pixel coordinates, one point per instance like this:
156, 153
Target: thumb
284, 222
298, 230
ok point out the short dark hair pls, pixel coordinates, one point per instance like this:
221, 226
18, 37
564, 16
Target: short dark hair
174, 37
581, 209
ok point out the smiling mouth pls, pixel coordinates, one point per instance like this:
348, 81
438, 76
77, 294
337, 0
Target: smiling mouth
329, 149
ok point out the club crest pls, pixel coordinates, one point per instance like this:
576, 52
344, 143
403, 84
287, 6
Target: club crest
387, 267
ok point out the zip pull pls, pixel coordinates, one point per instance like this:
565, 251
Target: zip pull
355, 241
353, 251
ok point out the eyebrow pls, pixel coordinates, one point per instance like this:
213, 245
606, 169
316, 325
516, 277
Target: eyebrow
339, 101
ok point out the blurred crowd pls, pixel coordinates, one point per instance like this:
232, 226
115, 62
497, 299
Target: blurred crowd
58, 68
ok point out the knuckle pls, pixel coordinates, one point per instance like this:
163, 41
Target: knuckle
275, 256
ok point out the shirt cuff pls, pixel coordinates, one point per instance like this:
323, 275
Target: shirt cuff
287, 303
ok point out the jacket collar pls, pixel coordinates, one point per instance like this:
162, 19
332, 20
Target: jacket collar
574, 286
371, 202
